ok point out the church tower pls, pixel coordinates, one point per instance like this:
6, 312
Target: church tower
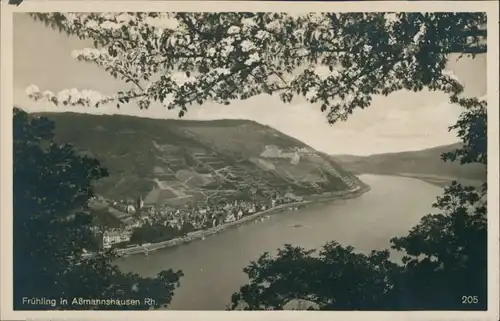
140, 205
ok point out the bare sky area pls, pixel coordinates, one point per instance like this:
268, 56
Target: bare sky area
402, 121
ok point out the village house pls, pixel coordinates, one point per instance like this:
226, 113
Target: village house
129, 209
136, 223
176, 223
230, 218
114, 237
294, 197
145, 219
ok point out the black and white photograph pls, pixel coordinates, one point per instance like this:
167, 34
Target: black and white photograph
251, 160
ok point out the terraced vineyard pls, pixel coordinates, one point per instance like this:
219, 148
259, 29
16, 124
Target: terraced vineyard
177, 161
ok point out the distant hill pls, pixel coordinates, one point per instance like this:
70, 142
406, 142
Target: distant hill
178, 161
426, 163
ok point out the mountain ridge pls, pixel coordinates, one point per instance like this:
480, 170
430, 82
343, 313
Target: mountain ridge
181, 161
426, 163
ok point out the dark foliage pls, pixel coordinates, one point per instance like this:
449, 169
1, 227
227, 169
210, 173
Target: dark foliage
445, 255
51, 186
15, 2
154, 233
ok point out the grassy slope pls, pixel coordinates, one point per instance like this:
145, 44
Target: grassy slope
424, 164
142, 154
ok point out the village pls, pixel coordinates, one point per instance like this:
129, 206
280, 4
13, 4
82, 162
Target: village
171, 211
145, 224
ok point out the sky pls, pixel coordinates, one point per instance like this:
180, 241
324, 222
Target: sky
400, 122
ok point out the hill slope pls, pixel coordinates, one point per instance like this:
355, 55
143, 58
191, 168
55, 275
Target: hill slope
421, 164
178, 161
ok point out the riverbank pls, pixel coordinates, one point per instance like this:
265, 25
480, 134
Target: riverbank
197, 235
205, 233
436, 180
441, 181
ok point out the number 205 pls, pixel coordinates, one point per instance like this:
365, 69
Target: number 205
467, 299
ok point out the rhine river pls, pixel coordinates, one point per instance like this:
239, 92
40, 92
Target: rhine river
213, 268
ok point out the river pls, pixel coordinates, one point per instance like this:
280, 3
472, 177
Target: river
213, 267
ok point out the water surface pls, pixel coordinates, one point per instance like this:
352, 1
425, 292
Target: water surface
213, 267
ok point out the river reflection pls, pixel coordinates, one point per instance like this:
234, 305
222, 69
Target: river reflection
213, 267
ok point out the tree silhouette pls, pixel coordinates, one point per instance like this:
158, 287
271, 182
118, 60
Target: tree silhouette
52, 185
15, 2
337, 62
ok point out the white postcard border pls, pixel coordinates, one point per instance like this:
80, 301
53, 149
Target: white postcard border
7, 56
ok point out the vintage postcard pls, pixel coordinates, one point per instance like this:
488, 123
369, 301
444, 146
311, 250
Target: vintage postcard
210, 161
